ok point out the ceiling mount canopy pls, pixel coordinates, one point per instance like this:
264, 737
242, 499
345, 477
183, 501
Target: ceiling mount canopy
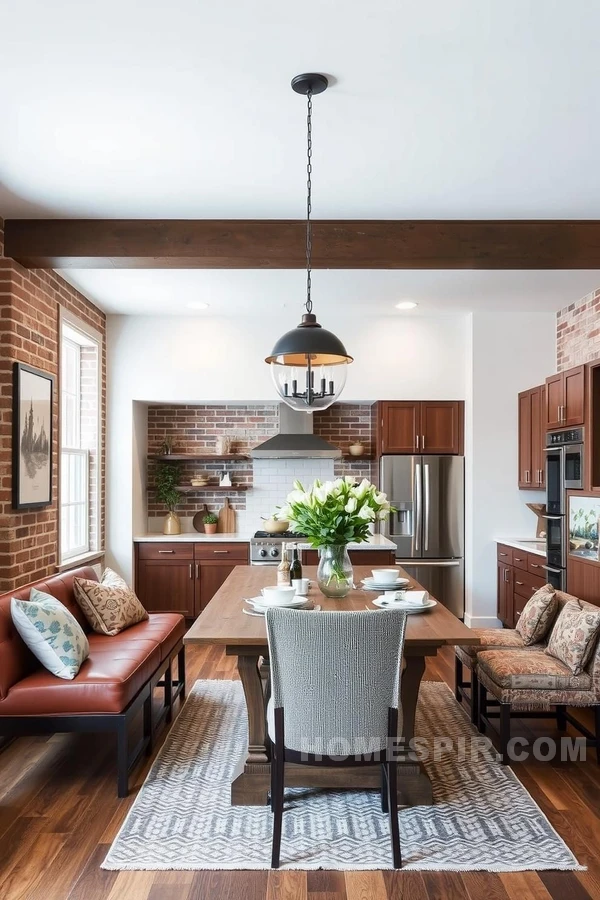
308, 364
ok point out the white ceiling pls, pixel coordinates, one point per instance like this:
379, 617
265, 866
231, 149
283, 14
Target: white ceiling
239, 292
463, 109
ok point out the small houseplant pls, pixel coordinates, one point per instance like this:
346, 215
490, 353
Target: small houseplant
210, 523
167, 478
333, 515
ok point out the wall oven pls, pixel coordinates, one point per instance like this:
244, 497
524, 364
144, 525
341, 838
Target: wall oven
564, 471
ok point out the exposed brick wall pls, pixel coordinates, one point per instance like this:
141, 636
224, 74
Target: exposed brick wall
195, 429
29, 329
578, 332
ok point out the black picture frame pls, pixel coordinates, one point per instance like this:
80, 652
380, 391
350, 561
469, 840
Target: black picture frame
32, 452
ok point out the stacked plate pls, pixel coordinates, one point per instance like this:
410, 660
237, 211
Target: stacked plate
258, 606
412, 602
369, 584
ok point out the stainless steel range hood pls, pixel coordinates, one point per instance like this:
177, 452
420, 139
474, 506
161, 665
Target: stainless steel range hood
295, 439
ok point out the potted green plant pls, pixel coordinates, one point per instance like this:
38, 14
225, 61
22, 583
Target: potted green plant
210, 523
167, 478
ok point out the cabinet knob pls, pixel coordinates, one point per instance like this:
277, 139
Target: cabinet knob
166, 551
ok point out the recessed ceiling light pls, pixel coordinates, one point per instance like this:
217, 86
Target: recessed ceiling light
406, 304
197, 304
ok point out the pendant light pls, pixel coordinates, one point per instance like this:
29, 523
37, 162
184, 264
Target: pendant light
309, 363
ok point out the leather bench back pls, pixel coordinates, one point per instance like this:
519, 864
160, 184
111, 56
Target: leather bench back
16, 660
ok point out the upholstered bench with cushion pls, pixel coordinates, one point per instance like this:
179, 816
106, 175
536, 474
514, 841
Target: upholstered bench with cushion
534, 682
114, 683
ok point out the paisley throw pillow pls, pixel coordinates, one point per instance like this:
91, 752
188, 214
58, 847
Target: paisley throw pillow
109, 605
537, 616
51, 632
573, 637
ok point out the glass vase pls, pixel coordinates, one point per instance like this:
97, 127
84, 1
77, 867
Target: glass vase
335, 576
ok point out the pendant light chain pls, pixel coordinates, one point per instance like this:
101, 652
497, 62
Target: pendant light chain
309, 305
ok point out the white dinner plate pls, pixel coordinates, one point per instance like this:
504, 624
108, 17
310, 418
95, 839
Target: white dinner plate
370, 585
382, 603
259, 603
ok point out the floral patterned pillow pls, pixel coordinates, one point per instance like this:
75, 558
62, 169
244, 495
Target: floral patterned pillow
573, 637
536, 618
109, 605
51, 632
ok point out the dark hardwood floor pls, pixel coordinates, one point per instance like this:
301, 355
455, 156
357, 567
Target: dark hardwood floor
59, 813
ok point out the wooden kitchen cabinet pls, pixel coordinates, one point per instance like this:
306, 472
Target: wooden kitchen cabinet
520, 575
565, 398
505, 594
184, 577
532, 436
373, 558
427, 426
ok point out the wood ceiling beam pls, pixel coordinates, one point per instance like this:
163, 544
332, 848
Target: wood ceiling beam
280, 244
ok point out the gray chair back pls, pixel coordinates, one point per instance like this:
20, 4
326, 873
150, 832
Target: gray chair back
336, 674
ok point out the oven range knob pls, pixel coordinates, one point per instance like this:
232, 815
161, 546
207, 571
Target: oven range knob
262, 552
274, 551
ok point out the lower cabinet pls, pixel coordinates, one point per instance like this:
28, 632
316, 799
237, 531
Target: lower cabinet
517, 582
184, 577
357, 557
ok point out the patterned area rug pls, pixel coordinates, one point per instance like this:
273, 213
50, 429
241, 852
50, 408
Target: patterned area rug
482, 819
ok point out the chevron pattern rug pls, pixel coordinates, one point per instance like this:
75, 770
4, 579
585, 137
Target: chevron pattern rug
482, 818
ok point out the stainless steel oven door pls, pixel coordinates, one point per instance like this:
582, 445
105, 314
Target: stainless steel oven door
555, 481
556, 541
573, 466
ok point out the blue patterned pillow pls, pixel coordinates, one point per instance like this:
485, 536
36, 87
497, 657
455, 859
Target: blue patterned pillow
51, 632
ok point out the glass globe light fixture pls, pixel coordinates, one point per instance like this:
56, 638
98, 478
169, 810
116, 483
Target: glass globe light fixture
309, 363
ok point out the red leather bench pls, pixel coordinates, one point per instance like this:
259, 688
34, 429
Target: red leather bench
113, 684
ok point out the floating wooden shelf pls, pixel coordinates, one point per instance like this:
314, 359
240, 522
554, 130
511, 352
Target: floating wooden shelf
206, 457
192, 488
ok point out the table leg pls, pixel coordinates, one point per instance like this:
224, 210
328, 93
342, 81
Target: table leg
409, 690
255, 702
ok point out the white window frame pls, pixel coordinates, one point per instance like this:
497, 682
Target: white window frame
73, 329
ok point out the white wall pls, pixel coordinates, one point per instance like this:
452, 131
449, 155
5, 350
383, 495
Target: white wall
506, 353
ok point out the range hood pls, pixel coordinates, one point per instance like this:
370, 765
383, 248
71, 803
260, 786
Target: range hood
295, 439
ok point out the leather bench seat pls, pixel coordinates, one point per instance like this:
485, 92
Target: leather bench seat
166, 629
107, 681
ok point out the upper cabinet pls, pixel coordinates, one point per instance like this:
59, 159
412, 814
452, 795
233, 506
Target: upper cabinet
532, 434
420, 426
565, 398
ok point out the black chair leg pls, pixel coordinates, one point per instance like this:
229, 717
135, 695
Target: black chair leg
392, 780
504, 732
122, 759
474, 698
384, 789
561, 718
458, 676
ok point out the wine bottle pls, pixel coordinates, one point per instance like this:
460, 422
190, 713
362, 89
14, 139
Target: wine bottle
296, 566
283, 569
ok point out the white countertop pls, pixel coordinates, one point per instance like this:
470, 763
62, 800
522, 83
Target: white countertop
376, 541
527, 545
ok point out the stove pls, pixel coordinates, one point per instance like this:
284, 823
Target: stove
265, 548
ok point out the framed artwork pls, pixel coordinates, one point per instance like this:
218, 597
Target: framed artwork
32, 437
584, 513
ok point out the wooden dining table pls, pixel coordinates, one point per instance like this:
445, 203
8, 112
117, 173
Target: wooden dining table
223, 622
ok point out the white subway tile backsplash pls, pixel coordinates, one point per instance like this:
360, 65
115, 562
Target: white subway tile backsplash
273, 479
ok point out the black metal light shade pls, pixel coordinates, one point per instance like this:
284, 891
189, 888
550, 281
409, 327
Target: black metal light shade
309, 339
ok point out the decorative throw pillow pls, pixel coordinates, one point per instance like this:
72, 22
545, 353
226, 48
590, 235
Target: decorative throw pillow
51, 632
537, 616
109, 605
574, 635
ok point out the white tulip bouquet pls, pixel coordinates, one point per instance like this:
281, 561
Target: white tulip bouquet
336, 512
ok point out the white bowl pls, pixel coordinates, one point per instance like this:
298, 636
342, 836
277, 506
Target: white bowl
278, 596
385, 576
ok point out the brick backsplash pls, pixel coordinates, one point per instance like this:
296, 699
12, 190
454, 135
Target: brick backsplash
578, 332
30, 302
196, 429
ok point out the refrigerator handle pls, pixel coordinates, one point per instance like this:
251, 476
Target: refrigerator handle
418, 511
426, 491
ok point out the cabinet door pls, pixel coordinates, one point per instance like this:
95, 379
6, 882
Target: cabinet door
574, 396
505, 601
538, 436
554, 400
166, 585
210, 575
441, 427
525, 478
400, 425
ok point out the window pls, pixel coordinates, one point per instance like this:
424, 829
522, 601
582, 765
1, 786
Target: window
80, 439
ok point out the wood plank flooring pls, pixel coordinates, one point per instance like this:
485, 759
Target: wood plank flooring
59, 813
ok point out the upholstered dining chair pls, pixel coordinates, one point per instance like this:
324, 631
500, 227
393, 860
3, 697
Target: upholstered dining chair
335, 694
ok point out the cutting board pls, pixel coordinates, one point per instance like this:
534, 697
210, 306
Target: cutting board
227, 518
198, 520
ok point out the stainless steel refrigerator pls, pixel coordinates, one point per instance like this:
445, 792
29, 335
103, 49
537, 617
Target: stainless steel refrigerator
428, 493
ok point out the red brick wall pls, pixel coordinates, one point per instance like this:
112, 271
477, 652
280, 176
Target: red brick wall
348, 423
29, 328
578, 332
